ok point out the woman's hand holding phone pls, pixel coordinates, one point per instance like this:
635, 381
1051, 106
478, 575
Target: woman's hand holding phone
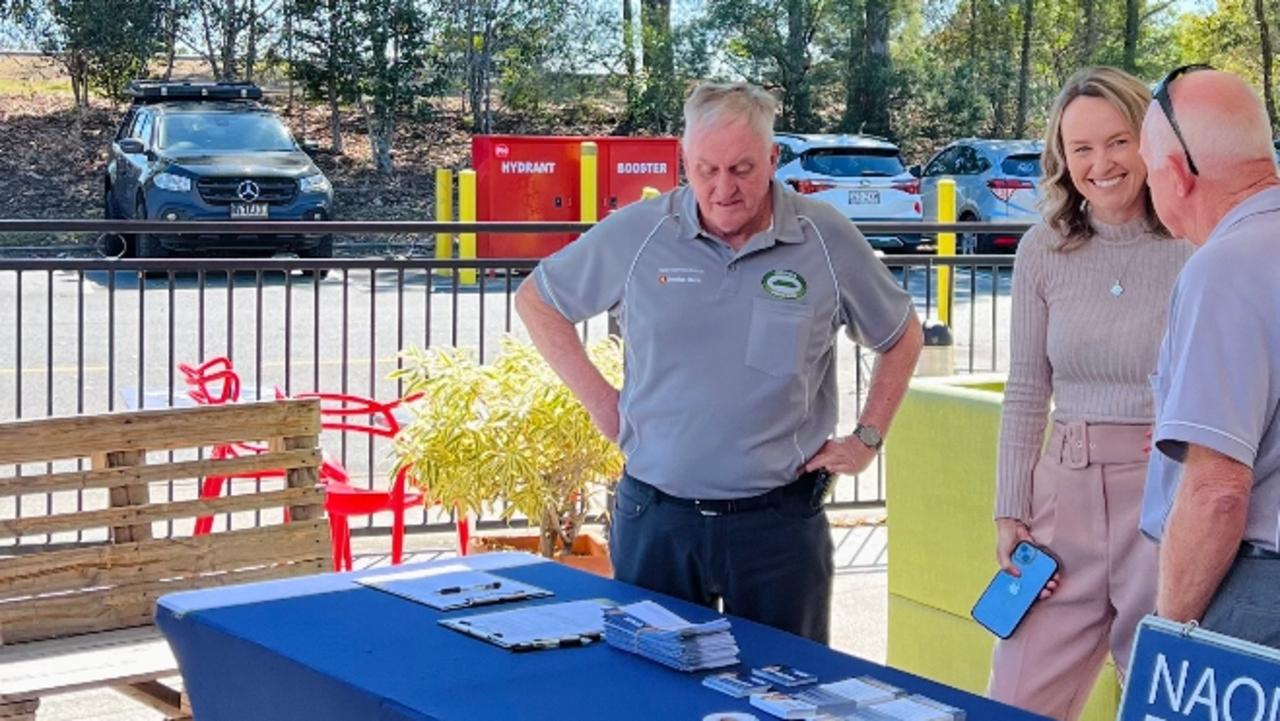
1009, 533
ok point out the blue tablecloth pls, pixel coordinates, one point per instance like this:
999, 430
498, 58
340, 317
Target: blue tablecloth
324, 647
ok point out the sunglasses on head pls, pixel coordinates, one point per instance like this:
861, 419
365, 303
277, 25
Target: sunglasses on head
1161, 96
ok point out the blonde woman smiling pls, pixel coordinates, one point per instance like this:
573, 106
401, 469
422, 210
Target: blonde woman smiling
1091, 288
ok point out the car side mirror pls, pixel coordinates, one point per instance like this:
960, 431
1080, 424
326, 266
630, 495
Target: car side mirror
309, 146
131, 146
914, 170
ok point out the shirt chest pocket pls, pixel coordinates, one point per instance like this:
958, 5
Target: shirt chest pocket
778, 336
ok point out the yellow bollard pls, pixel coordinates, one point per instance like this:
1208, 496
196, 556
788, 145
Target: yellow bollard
946, 246
444, 213
467, 214
588, 179
649, 192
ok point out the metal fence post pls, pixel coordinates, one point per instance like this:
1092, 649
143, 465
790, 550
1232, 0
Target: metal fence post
467, 214
946, 246
444, 212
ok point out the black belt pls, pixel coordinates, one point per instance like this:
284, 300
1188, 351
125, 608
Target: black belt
1249, 550
806, 486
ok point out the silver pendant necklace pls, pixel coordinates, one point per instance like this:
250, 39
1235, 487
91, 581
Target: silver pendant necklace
1117, 287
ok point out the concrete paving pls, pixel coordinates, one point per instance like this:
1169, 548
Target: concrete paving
859, 624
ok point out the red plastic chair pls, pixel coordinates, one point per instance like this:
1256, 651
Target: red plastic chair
216, 382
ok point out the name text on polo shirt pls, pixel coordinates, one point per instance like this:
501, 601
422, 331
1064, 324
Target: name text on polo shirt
679, 275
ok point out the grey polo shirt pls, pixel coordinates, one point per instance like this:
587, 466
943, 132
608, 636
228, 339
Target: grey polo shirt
1217, 382
730, 381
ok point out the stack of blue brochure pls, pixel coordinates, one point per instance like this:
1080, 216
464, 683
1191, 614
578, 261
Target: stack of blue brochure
651, 631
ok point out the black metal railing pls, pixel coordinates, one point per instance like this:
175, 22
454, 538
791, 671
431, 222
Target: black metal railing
87, 335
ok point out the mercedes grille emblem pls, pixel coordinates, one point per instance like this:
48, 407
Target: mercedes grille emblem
247, 191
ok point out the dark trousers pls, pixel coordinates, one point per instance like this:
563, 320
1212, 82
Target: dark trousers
772, 565
1245, 603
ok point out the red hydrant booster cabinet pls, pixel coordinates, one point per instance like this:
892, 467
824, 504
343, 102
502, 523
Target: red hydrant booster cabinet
537, 178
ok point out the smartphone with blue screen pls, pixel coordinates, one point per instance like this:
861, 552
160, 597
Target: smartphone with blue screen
1007, 599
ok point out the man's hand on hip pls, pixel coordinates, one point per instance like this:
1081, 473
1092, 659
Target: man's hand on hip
603, 410
848, 456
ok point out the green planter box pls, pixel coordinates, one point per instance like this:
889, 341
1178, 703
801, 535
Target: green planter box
940, 470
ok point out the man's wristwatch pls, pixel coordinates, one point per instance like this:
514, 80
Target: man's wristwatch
869, 435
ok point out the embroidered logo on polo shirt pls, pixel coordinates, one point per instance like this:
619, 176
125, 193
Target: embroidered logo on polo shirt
784, 284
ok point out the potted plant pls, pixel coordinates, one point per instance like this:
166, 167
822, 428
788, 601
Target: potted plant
509, 431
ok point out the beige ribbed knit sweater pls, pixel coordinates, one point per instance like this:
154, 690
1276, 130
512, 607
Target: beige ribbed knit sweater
1072, 340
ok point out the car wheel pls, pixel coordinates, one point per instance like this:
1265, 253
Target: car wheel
145, 245
966, 243
112, 245
324, 249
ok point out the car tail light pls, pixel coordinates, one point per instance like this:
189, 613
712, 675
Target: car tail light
810, 186
1004, 188
910, 187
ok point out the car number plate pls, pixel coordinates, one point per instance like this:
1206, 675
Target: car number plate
864, 197
248, 211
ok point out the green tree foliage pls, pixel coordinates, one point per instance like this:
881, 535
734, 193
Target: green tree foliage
325, 47
1230, 38
392, 68
102, 44
921, 72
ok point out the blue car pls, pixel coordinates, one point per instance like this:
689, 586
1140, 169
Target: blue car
210, 151
996, 182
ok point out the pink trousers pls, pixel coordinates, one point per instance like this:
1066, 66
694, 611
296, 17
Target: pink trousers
1087, 491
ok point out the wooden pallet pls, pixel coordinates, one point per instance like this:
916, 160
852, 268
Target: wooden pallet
77, 615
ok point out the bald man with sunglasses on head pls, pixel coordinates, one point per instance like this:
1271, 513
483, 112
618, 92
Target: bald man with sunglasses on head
1212, 498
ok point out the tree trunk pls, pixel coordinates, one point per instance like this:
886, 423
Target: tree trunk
973, 33
798, 110
548, 532
853, 69
288, 51
1264, 33
1024, 70
251, 56
230, 33
1090, 32
878, 70
171, 40
629, 52
469, 58
486, 65
659, 63
1132, 21
210, 55
335, 120
478, 67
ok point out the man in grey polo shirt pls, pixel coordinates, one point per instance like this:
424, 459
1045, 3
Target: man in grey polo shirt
729, 293
1213, 488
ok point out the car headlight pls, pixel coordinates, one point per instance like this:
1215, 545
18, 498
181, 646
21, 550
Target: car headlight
169, 181
315, 184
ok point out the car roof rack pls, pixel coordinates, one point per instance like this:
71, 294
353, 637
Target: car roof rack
154, 91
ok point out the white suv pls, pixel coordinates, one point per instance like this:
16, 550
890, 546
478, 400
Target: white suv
861, 175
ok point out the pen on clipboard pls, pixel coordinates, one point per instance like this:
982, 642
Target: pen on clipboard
478, 587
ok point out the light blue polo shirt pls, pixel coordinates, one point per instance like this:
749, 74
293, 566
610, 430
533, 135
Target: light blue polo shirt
1217, 383
730, 383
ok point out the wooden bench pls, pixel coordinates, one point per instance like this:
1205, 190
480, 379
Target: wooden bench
78, 592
